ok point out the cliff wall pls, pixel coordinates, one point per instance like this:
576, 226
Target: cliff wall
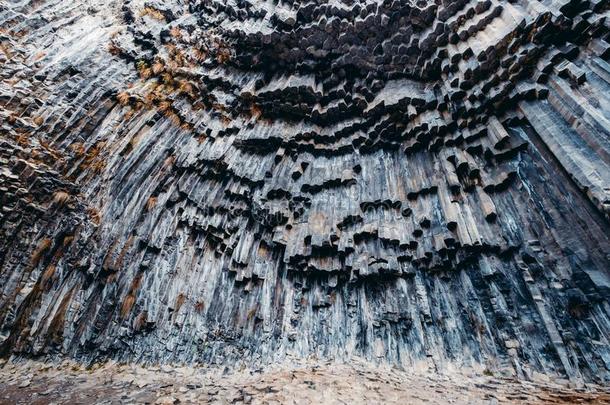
226, 182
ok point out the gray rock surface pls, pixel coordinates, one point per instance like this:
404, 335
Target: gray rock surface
234, 182
301, 382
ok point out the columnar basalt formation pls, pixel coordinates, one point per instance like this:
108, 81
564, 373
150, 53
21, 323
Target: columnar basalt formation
224, 182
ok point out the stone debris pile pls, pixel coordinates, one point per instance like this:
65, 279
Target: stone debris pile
300, 382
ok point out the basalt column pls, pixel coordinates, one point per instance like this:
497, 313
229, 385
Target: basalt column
423, 183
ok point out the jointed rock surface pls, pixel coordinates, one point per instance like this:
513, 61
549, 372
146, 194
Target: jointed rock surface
423, 183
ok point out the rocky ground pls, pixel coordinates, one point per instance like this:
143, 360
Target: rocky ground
303, 383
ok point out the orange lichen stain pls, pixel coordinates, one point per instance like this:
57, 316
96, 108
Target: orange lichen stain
68, 240
40, 250
48, 273
176, 33
4, 48
59, 320
174, 118
55, 154
153, 13
225, 120
98, 166
158, 67
218, 107
223, 55
119, 261
251, 313
92, 160
165, 106
60, 198
151, 203
23, 139
108, 259
199, 54
129, 114
143, 69
167, 79
114, 262
187, 89
255, 111
78, 148
127, 305
38, 121
179, 302
114, 49
201, 138
123, 98
140, 321
169, 161
95, 215
130, 298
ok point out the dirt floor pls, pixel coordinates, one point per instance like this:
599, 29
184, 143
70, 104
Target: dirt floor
327, 383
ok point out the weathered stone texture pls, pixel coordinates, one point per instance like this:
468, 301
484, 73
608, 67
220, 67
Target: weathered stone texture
233, 181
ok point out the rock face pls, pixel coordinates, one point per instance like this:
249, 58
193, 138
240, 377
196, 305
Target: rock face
223, 182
